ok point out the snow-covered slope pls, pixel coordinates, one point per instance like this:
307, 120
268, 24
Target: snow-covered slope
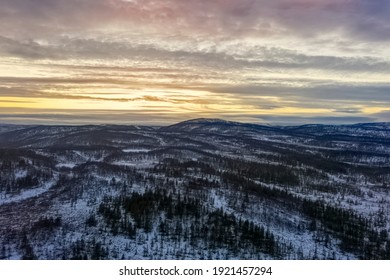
200, 189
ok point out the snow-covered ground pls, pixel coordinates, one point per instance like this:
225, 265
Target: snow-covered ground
23, 195
226, 166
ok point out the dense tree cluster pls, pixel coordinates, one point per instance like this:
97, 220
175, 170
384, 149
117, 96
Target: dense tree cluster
185, 219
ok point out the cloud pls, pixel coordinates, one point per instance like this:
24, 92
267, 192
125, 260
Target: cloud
261, 57
383, 116
314, 54
28, 49
263, 18
315, 93
78, 117
296, 120
348, 110
50, 116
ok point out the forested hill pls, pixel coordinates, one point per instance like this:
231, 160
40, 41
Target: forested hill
199, 189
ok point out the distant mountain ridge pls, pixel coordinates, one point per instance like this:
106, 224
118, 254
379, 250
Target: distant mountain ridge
27, 135
380, 130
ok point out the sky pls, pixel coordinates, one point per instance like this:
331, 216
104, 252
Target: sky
280, 62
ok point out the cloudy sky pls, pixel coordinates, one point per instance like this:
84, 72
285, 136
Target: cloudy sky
159, 62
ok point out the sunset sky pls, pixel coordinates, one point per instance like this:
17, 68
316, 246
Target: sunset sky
158, 62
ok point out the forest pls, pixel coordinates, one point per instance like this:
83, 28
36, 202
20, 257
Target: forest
201, 189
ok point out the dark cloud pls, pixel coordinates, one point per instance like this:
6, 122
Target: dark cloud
297, 120
27, 49
347, 110
45, 18
374, 20
362, 18
383, 116
336, 92
77, 117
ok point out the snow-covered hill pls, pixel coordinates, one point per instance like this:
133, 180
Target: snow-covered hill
200, 189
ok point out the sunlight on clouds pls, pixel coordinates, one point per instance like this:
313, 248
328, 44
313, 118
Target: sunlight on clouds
184, 58
375, 110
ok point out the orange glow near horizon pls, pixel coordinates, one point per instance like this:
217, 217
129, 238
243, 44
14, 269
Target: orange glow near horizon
278, 61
